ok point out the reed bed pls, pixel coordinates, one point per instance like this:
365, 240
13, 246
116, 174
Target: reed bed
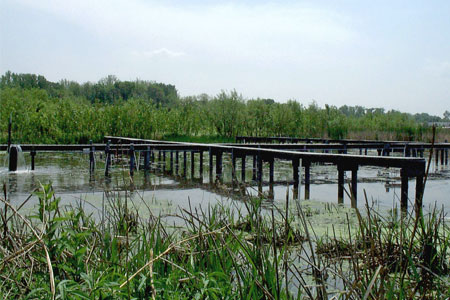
255, 250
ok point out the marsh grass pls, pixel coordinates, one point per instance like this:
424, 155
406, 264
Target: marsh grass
248, 251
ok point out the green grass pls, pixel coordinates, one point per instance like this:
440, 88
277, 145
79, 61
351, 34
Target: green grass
242, 251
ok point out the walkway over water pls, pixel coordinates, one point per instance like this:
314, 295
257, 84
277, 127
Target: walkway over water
300, 155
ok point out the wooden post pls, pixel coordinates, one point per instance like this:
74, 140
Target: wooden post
404, 190
132, 162
295, 163
354, 187
341, 173
91, 158
108, 158
211, 180
201, 165
407, 151
307, 165
437, 156
147, 159
159, 160
192, 164
365, 151
164, 161
260, 172
33, 154
13, 158
233, 167
184, 164
442, 157
271, 170
243, 169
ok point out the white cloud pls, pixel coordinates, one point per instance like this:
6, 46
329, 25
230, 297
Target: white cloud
158, 52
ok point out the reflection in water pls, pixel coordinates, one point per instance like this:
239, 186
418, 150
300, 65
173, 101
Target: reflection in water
70, 177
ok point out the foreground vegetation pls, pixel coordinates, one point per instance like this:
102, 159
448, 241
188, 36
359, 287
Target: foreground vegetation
235, 252
68, 112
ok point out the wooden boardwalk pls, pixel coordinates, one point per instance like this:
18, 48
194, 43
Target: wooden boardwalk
301, 155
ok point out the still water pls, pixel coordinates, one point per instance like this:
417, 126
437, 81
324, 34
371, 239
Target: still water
71, 180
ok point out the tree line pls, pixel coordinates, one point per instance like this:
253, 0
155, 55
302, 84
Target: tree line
69, 112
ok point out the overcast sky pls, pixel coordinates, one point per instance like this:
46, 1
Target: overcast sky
391, 54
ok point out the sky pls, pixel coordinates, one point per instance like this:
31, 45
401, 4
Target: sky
390, 54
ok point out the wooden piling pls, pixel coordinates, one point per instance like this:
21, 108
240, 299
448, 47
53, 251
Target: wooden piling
243, 168
147, 159
307, 165
295, 164
164, 161
341, 173
233, 167
354, 199
107, 158
13, 159
33, 154
91, 158
132, 160
201, 165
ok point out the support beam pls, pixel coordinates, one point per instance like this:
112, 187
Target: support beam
107, 159
354, 188
201, 165
91, 158
295, 164
307, 165
341, 173
164, 162
243, 169
33, 154
147, 155
132, 160
233, 167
